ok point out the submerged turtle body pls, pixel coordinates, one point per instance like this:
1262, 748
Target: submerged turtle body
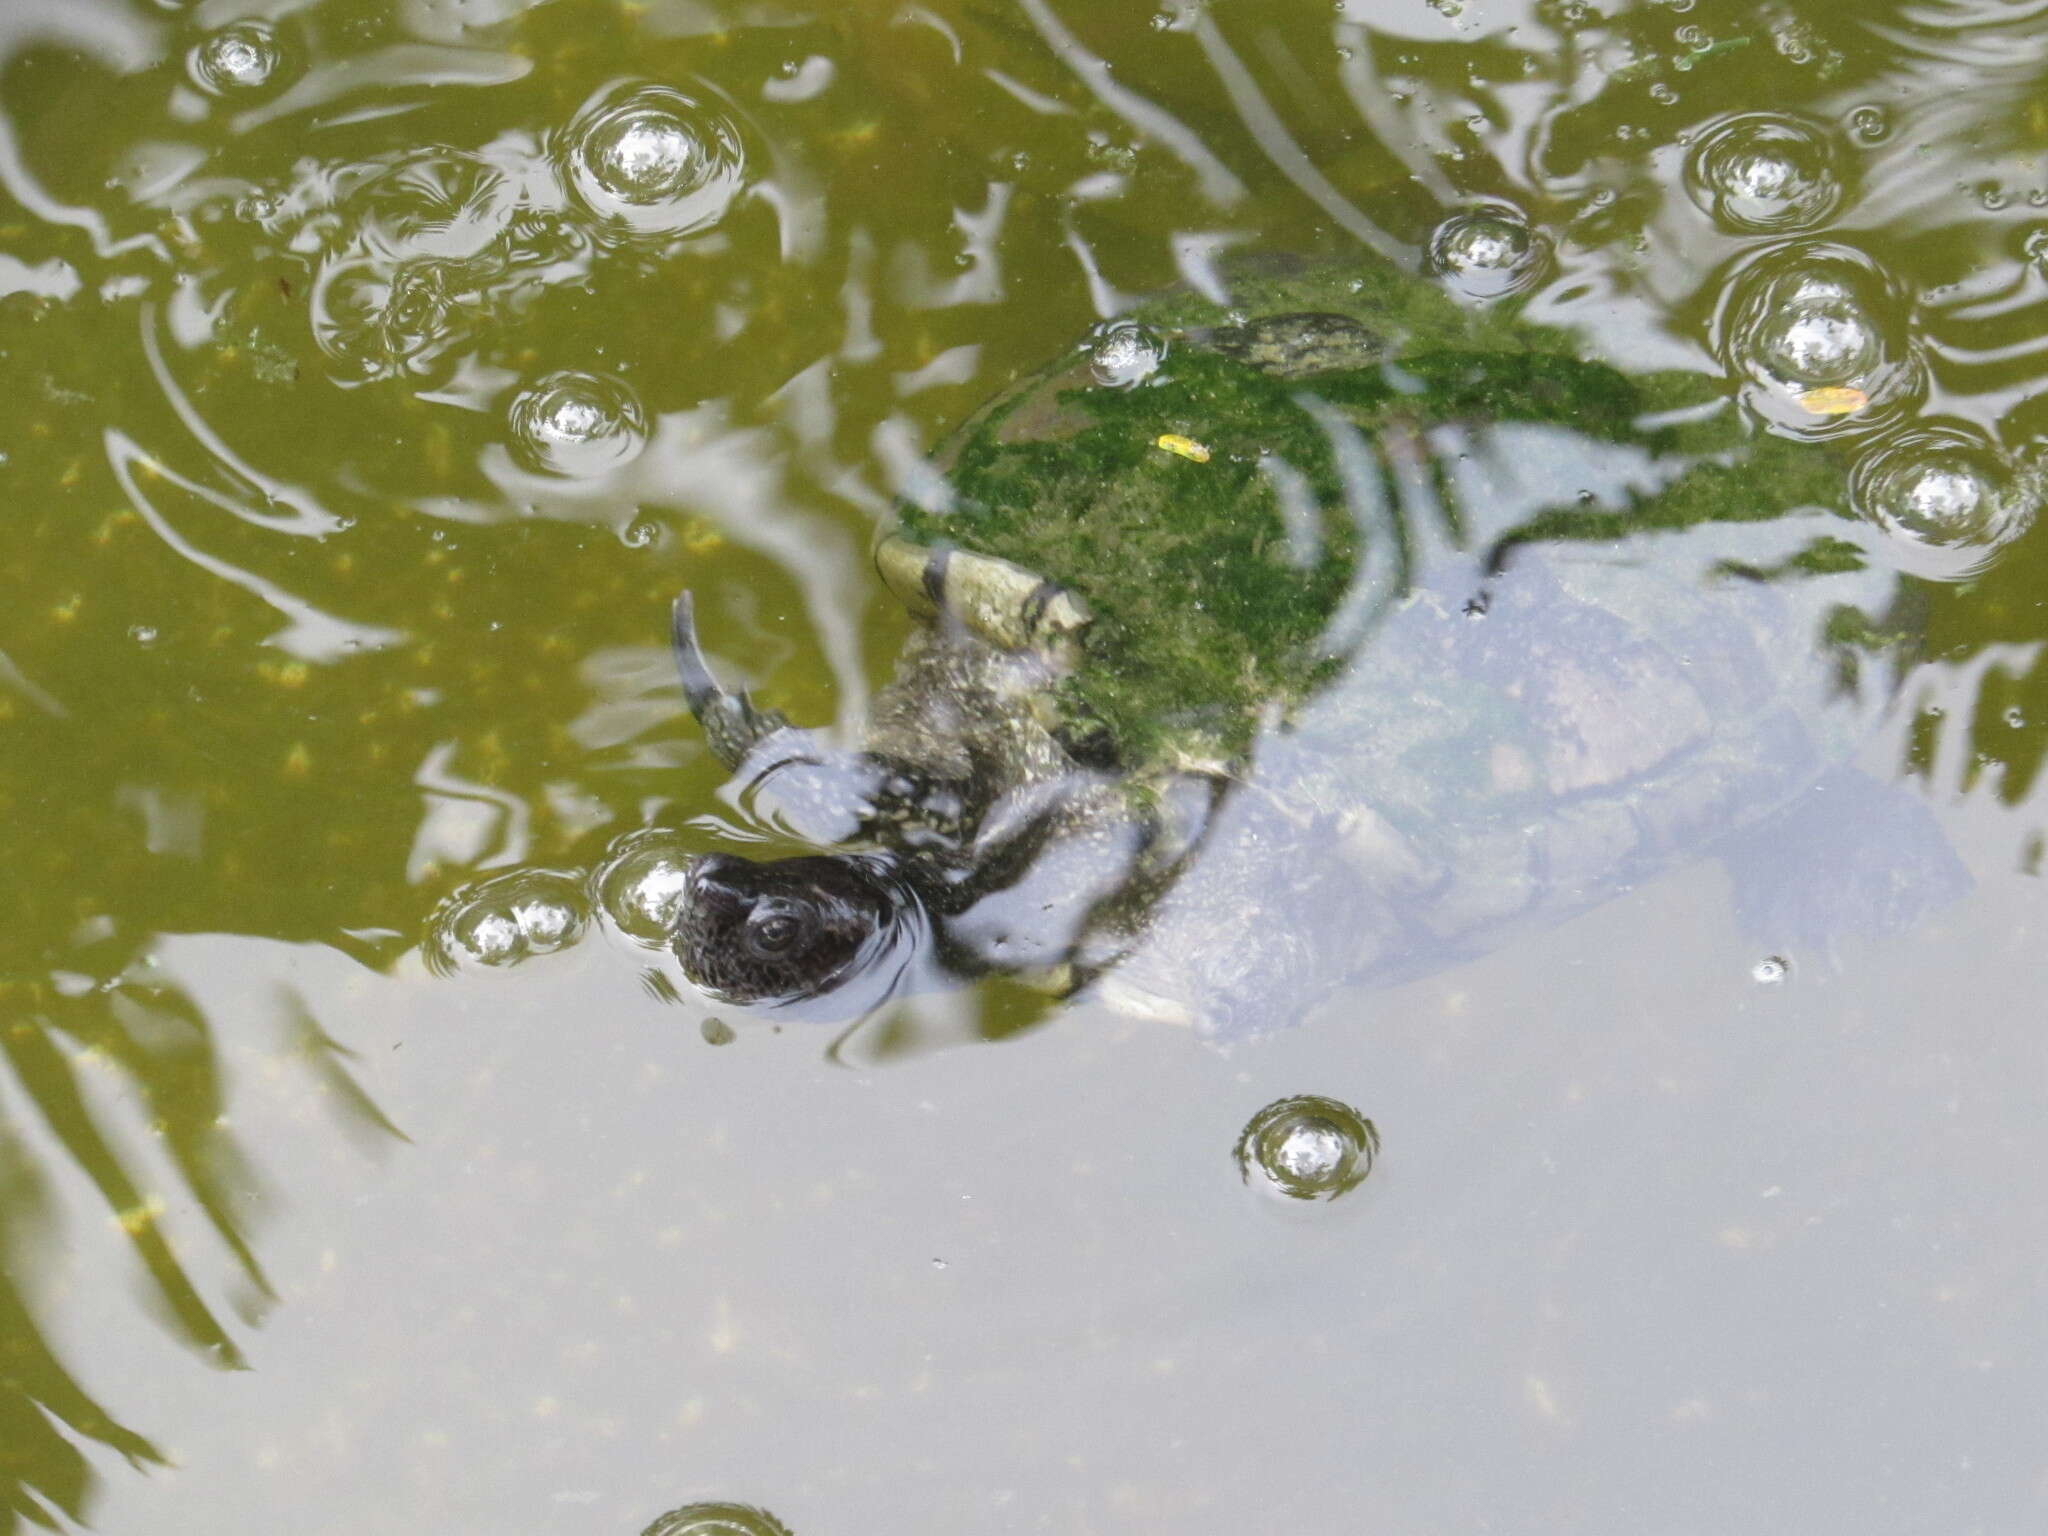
1325, 637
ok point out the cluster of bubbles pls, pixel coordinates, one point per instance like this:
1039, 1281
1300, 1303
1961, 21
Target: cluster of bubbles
1949, 499
647, 159
1822, 340
513, 917
1123, 353
421, 252
717, 1520
1488, 252
502, 921
1762, 173
576, 424
1308, 1148
1823, 344
239, 60
420, 256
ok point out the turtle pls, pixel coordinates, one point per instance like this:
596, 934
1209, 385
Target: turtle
1323, 631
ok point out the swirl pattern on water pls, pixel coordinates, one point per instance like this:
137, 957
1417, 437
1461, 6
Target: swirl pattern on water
1488, 252
650, 160
577, 425
713, 1519
238, 60
1765, 173
1308, 1148
422, 253
1948, 498
503, 921
1820, 337
1122, 354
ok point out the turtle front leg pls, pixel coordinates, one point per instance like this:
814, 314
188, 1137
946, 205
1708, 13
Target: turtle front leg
733, 725
1004, 604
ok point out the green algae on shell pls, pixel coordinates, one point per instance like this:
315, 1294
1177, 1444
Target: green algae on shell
1218, 516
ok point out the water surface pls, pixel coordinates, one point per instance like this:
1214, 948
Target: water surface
377, 372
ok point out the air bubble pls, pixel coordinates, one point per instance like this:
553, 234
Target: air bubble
1823, 337
1764, 173
652, 160
1770, 971
1308, 1148
1825, 340
1947, 496
142, 634
1869, 124
1488, 252
237, 60
717, 1520
1122, 353
577, 425
641, 884
503, 921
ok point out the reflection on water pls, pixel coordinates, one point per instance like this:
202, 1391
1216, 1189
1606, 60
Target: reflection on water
379, 371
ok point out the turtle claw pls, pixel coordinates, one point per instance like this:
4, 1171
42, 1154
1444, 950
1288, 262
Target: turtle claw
732, 724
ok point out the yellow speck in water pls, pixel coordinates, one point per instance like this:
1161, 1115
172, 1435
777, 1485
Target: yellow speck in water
701, 537
441, 453
74, 472
139, 1218
290, 674
67, 610
120, 517
1834, 400
546, 1408
298, 762
1186, 447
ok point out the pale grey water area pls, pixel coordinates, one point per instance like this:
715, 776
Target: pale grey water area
1651, 1247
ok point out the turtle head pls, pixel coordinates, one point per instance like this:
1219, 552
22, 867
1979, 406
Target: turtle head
785, 930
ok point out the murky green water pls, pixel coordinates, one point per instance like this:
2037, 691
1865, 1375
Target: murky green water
376, 373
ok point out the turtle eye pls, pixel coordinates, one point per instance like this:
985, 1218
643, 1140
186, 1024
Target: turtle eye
773, 931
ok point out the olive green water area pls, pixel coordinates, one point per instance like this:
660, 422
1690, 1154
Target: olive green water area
375, 373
